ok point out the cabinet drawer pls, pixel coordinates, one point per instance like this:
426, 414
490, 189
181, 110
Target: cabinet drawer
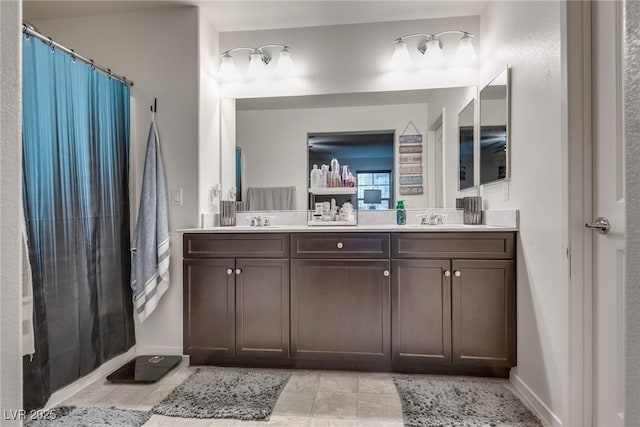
265, 245
340, 245
478, 245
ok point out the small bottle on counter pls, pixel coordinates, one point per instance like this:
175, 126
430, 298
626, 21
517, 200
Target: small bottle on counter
401, 213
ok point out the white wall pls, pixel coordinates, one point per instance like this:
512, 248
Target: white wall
350, 58
159, 51
10, 207
448, 103
208, 114
527, 36
274, 142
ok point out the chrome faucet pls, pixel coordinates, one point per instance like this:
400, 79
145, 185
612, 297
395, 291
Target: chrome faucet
423, 219
436, 219
254, 221
433, 219
267, 221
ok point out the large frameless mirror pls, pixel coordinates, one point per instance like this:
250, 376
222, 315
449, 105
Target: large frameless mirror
494, 129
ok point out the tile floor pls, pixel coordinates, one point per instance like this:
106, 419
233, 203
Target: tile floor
310, 399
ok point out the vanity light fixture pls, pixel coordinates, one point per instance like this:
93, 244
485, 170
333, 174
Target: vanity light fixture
431, 47
259, 58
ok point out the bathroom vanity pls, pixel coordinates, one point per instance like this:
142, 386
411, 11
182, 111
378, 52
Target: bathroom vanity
386, 298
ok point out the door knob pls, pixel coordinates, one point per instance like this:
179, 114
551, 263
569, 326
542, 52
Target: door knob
447, 273
457, 273
340, 245
229, 271
602, 225
386, 273
238, 271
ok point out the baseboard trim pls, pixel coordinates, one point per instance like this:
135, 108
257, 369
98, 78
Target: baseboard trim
161, 350
542, 410
101, 371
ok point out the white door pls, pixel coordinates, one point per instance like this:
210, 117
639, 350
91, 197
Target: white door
608, 202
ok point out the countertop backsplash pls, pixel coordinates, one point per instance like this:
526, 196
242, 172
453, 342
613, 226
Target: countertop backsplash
502, 218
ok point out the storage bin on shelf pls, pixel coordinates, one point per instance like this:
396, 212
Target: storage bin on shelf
327, 212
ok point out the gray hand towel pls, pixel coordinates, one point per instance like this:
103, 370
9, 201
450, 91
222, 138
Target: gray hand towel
150, 247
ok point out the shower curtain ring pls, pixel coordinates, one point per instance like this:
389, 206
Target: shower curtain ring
109, 72
93, 66
50, 44
73, 56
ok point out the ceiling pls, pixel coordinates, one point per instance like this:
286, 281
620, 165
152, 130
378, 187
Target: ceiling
261, 15
351, 145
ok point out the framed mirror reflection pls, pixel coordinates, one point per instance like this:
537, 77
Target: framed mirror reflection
466, 146
494, 129
283, 137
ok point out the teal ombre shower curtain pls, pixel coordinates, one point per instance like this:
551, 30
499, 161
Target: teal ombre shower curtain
75, 193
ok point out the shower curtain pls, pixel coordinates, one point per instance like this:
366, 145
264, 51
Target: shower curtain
75, 195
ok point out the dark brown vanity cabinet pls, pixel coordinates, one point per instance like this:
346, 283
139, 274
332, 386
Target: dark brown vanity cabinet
340, 310
340, 301
483, 307
236, 308
450, 310
440, 302
421, 295
209, 307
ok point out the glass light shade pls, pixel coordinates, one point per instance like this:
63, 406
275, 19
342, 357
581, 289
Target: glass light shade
285, 66
256, 67
227, 67
465, 53
433, 56
401, 58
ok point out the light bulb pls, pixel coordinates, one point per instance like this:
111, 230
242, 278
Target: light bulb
433, 55
256, 67
401, 58
465, 53
285, 66
227, 67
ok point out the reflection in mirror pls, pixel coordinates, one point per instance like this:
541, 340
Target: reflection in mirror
494, 125
466, 148
280, 136
368, 156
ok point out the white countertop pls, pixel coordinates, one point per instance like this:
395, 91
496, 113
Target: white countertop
351, 228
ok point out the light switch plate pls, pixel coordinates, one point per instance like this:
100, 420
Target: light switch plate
176, 197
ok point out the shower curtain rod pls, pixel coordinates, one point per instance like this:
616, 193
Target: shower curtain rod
29, 29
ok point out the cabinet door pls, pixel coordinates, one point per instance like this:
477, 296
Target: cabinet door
340, 310
262, 308
421, 298
484, 307
209, 307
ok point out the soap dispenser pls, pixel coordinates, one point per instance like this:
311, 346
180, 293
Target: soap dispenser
401, 213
